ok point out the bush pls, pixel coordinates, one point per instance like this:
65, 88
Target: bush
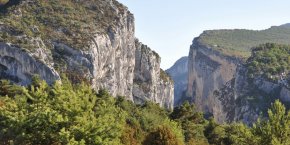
163, 135
269, 60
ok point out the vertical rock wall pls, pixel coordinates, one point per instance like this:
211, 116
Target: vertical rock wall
108, 63
150, 82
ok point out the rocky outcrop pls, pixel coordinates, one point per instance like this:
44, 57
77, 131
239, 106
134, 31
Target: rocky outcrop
20, 66
148, 83
179, 73
218, 84
107, 62
208, 70
285, 94
244, 99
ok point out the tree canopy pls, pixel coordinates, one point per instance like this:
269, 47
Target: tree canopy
66, 113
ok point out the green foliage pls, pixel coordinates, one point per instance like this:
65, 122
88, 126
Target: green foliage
238, 42
269, 60
215, 133
145, 119
66, 113
276, 130
63, 114
240, 134
163, 135
7, 89
184, 111
165, 77
192, 123
272, 131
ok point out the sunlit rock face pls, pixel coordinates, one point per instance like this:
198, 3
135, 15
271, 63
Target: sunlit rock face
20, 66
148, 82
107, 62
218, 85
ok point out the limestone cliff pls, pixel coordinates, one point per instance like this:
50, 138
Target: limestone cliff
97, 45
219, 85
179, 73
208, 70
149, 84
19, 66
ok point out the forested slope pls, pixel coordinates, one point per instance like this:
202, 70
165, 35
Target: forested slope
75, 114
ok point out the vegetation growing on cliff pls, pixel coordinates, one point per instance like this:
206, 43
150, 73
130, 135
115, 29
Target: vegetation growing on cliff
238, 42
165, 77
71, 22
271, 61
75, 114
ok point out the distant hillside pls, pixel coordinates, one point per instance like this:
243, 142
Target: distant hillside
286, 25
238, 42
179, 73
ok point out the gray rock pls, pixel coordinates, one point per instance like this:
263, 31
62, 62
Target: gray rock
148, 85
285, 94
208, 71
20, 66
108, 63
219, 85
179, 73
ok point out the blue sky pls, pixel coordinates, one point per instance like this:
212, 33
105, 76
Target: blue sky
169, 26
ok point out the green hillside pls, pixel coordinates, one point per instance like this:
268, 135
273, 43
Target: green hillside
238, 42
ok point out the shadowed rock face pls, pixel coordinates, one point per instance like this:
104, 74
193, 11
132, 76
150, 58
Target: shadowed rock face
208, 71
179, 73
108, 63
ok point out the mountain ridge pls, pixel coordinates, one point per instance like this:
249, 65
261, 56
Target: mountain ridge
217, 82
238, 42
89, 41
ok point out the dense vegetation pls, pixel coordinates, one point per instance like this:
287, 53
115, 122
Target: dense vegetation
238, 42
72, 22
75, 114
271, 61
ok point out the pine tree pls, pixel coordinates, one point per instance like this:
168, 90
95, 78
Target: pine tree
275, 130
